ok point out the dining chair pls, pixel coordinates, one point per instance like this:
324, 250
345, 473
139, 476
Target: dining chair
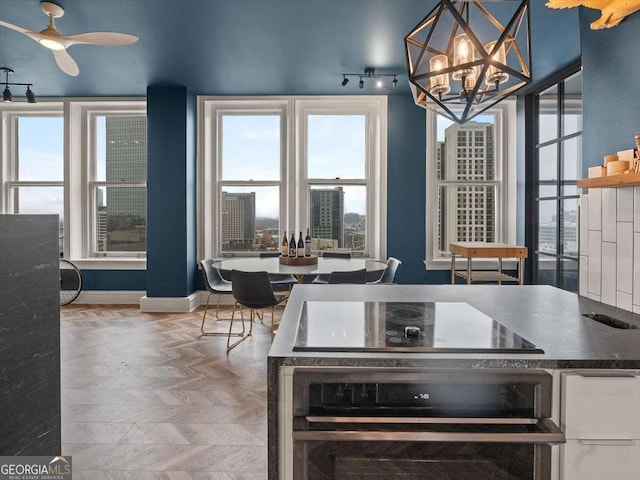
216, 285
324, 278
351, 276
389, 274
253, 290
279, 281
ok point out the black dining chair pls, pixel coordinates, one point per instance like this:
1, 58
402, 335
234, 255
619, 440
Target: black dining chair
279, 281
253, 290
324, 278
351, 276
389, 274
216, 285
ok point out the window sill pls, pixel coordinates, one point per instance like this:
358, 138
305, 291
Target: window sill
110, 263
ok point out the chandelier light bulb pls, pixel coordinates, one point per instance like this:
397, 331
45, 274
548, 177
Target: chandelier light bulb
495, 76
439, 84
463, 53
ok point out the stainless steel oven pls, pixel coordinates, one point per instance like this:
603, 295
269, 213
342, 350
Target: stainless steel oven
422, 424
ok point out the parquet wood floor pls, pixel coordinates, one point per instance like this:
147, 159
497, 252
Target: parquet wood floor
145, 397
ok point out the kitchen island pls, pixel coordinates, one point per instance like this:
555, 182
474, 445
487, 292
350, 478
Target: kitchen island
551, 319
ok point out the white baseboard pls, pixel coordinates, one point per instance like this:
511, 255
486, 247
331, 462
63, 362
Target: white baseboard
170, 304
150, 304
112, 297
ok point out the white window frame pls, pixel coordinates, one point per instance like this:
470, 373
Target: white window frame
91, 113
293, 183
9, 145
505, 170
79, 152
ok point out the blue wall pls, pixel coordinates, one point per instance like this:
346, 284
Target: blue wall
170, 192
171, 260
611, 76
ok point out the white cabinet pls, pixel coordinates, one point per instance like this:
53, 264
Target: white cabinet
601, 420
601, 460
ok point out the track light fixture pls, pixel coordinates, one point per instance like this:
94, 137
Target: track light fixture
6, 93
369, 73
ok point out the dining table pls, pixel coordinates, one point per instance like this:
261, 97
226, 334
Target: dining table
324, 266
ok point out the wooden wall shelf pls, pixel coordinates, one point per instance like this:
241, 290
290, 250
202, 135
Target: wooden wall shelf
624, 180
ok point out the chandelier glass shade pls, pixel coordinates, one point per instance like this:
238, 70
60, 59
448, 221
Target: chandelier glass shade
467, 55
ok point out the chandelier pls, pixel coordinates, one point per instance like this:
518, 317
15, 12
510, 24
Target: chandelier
463, 59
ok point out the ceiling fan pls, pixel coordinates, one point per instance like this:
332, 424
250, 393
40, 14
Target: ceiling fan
58, 44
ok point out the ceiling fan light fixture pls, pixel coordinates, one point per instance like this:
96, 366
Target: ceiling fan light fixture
51, 44
6, 94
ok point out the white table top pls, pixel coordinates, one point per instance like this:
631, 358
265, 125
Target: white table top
324, 266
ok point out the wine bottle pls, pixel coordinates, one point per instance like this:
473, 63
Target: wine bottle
284, 249
292, 245
300, 246
307, 244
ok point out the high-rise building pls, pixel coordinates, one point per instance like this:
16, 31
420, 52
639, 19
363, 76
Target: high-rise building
238, 220
468, 213
126, 161
327, 214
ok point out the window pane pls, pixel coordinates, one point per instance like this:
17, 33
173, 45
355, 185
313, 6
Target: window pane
569, 190
336, 146
546, 270
547, 225
569, 227
466, 214
41, 200
40, 149
251, 147
121, 148
572, 158
569, 275
121, 223
572, 118
466, 152
548, 117
548, 191
250, 218
548, 162
338, 217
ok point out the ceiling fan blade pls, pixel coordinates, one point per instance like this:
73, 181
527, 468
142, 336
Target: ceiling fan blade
101, 38
67, 64
17, 28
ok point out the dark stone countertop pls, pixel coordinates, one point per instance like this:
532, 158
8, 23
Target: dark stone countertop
548, 317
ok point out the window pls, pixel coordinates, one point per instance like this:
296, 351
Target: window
116, 188
86, 162
35, 173
292, 163
558, 160
470, 181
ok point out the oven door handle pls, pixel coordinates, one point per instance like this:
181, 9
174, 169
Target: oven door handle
549, 433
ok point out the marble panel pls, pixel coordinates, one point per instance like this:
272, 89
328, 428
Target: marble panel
595, 209
609, 273
609, 214
624, 257
584, 225
625, 204
29, 335
594, 280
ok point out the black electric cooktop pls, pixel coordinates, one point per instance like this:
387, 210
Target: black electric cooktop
434, 327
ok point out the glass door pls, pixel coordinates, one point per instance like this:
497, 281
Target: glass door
558, 165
